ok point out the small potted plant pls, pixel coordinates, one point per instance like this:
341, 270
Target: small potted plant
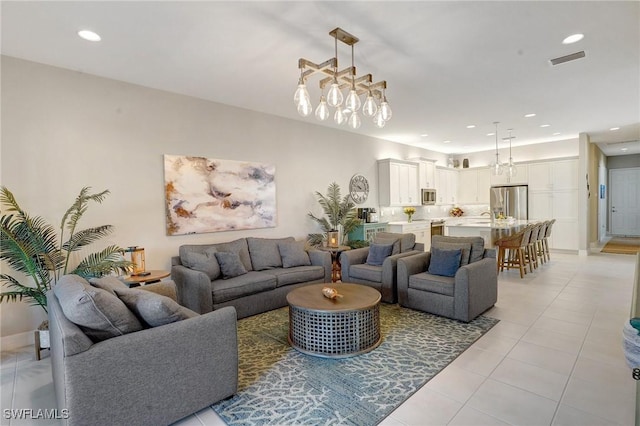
409, 211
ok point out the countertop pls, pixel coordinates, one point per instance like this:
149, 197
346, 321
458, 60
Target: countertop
489, 224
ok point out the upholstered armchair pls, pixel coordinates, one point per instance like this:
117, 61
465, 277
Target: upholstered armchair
457, 279
376, 265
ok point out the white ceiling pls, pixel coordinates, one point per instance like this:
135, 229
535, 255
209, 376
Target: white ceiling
447, 64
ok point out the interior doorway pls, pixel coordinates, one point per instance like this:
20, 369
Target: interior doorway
624, 202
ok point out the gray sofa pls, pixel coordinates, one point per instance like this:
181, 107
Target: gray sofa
267, 270
154, 376
471, 290
355, 269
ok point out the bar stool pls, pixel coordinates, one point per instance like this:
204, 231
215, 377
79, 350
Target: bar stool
532, 250
511, 251
545, 240
539, 246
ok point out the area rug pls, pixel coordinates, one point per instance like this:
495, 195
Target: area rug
281, 386
620, 245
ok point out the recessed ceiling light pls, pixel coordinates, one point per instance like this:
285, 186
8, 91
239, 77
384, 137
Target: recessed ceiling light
471, 126
557, 133
573, 38
490, 134
545, 125
529, 115
623, 149
424, 135
446, 141
615, 128
89, 35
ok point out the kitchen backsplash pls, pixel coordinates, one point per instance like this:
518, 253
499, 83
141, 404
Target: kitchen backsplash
395, 214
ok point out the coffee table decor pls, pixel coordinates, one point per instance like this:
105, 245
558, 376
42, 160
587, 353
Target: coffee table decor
330, 293
281, 386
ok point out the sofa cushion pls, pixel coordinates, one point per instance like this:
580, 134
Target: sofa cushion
432, 283
293, 254
378, 253
230, 264
203, 261
237, 246
108, 283
153, 309
366, 272
244, 285
295, 275
406, 241
264, 252
464, 246
98, 313
477, 245
444, 262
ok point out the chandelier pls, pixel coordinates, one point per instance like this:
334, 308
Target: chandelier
496, 166
510, 167
347, 110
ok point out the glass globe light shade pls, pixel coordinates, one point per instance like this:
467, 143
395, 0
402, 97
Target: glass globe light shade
511, 169
354, 120
322, 111
301, 95
334, 97
305, 109
369, 108
385, 109
353, 101
378, 120
340, 117
496, 168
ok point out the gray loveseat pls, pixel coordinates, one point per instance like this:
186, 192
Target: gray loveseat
253, 275
383, 277
153, 376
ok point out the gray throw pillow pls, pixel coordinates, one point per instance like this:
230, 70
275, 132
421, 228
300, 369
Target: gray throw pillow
154, 309
378, 253
264, 252
230, 264
465, 247
444, 262
293, 254
204, 262
98, 313
108, 283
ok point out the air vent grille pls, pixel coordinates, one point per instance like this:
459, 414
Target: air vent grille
567, 58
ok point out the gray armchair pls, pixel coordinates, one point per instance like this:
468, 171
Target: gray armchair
471, 291
155, 376
383, 278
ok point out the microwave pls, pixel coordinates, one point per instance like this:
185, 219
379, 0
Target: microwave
428, 197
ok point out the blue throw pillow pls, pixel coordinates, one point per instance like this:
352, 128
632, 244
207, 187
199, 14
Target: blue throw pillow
444, 262
378, 253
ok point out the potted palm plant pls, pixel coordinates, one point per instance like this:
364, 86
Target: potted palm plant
32, 247
341, 215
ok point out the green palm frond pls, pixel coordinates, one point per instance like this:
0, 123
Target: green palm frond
339, 212
103, 263
85, 237
37, 296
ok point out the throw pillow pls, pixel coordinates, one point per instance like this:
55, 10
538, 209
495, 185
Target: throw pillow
384, 240
444, 262
293, 254
378, 253
154, 309
204, 262
264, 252
464, 246
230, 264
108, 283
98, 313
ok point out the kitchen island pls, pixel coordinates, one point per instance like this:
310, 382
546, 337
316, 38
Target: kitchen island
489, 230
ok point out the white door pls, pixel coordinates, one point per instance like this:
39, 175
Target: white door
624, 185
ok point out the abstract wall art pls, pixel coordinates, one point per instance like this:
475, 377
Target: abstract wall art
212, 195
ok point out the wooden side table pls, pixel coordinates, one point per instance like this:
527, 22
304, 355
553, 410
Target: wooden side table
336, 271
137, 280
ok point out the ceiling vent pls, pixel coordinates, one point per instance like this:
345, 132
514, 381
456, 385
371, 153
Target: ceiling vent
567, 58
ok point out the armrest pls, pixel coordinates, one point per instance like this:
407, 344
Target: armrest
419, 247
352, 257
389, 283
196, 359
163, 288
489, 253
321, 258
194, 289
475, 282
407, 266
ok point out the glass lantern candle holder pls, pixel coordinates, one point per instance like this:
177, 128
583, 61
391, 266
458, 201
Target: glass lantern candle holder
137, 258
333, 238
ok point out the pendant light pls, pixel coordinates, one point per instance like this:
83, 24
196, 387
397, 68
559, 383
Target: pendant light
334, 97
511, 168
496, 167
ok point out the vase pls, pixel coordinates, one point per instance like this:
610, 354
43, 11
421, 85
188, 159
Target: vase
409, 218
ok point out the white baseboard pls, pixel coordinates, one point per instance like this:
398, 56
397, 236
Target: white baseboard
15, 341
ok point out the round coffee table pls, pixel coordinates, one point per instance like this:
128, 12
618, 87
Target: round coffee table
337, 328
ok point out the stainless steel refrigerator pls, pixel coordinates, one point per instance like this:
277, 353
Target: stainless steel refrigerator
511, 201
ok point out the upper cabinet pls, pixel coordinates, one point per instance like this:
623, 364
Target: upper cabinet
398, 183
446, 186
427, 174
474, 186
553, 175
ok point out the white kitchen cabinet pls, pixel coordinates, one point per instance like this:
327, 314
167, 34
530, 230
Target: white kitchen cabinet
421, 229
553, 175
426, 174
521, 176
474, 186
446, 186
398, 183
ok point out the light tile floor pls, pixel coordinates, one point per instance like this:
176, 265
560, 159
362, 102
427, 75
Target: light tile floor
555, 358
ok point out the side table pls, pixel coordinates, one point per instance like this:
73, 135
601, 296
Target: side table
137, 280
336, 271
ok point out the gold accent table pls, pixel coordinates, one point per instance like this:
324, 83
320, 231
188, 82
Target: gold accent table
336, 272
136, 280
334, 328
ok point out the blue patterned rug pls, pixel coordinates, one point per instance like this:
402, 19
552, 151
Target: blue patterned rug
280, 386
